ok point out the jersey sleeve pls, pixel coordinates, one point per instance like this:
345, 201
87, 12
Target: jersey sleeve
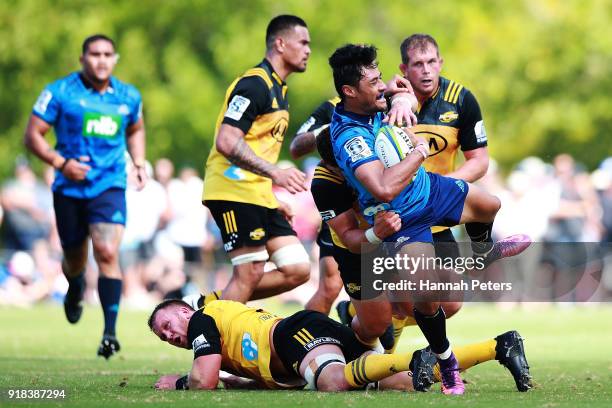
321, 116
354, 148
472, 134
203, 335
47, 106
331, 199
249, 99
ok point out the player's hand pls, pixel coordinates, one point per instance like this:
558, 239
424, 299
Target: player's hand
140, 176
286, 210
76, 170
401, 112
419, 143
386, 223
398, 84
167, 382
291, 179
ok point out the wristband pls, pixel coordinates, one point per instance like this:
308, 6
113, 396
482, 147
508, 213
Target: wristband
371, 236
182, 383
61, 168
400, 98
424, 153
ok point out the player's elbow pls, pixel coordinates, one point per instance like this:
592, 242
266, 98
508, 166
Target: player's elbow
205, 384
223, 145
384, 195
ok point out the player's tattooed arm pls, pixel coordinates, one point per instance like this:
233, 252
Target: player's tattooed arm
230, 143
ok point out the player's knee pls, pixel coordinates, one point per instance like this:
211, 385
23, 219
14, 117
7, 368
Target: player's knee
105, 252
451, 308
332, 379
331, 287
293, 261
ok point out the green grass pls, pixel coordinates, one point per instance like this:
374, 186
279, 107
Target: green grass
569, 350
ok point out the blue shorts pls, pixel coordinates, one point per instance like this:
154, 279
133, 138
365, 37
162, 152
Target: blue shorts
444, 207
74, 215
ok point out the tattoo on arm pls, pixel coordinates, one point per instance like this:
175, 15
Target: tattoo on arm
303, 144
244, 157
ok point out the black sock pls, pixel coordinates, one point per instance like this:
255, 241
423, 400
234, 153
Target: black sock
480, 234
76, 288
434, 330
110, 294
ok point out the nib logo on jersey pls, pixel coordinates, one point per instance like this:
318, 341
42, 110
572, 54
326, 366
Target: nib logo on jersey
101, 125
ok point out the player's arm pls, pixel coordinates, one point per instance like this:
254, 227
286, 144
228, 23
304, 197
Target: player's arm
35, 142
386, 183
403, 102
346, 226
473, 141
305, 140
204, 373
136, 138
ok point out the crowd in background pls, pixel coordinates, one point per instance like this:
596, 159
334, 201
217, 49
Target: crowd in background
172, 247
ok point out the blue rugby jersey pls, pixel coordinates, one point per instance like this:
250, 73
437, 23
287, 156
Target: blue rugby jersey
89, 123
353, 138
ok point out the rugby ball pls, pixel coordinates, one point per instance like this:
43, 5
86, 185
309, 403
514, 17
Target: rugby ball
392, 144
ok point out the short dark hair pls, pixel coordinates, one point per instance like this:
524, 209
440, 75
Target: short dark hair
347, 63
420, 41
279, 24
325, 148
163, 305
94, 38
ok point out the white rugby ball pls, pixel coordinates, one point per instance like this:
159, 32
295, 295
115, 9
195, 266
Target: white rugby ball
392, 144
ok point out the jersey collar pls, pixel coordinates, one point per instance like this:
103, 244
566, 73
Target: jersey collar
88, 85
265, 63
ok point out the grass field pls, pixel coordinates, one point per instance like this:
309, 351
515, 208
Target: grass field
568, 350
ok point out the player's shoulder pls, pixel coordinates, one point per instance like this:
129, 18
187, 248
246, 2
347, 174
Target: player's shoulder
220, 306
323, 177
64, 84
455, 92
125, 89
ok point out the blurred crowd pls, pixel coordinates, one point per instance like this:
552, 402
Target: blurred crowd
172, 247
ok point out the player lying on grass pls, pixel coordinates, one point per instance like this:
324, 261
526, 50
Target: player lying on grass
307, 350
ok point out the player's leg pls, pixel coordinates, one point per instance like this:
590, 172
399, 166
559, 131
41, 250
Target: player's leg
243, 230
71, 221
330, 285
330, 282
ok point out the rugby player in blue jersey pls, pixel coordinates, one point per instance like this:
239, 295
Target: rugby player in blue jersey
421, 199
96, 118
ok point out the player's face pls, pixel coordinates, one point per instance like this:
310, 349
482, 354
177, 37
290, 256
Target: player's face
99, 60
296, 48
171, 326
371, 91
423, 70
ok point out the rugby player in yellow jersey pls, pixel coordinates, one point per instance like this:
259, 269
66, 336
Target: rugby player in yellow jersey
241, 169
306, 350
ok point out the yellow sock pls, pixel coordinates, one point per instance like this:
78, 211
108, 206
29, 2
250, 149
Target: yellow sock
375, 367
471, 355
398, 328
214, 295
351, 310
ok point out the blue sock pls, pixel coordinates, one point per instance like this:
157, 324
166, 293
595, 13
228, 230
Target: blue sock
110, 293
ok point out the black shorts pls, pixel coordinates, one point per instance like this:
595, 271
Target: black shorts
349, 265
301, 332
243, 224
324, 241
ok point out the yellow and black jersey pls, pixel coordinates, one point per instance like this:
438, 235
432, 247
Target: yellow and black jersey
333, 196
240, 334
450, 119
256, 103
321, 116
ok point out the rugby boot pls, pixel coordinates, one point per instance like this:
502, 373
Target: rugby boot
511, 354
422, 368
343, 312
449, 373
108, 346
507, 247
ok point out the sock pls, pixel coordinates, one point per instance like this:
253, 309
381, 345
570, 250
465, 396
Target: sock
110, 294
471, 355
398, 328
206, 299
76, 287
480, 234
351, 310
434, 330
375, 367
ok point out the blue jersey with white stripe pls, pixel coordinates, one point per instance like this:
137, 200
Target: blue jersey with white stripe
92, 124
353, 138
